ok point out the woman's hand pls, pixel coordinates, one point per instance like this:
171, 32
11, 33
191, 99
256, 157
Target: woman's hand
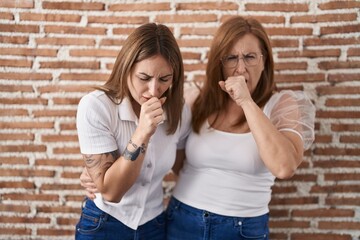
236, 87
151, 115
88, 184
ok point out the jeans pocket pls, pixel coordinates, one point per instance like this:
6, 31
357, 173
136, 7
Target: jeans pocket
91, 219
254, 228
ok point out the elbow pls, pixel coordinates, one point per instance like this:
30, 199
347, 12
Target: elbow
111, 197
285, 173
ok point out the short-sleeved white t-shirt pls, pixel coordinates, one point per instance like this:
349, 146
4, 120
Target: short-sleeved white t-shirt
223, 172
104, 126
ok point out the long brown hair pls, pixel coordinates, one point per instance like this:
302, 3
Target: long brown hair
212, 99
144, 42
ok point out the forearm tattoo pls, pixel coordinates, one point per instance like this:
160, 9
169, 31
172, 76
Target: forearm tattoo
97, 164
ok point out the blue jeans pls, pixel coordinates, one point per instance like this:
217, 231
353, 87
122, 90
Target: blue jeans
96, 224
186, 222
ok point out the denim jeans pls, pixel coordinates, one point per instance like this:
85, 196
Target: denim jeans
96, 224
185, 222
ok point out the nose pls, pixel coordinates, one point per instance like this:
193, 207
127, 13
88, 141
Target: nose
240, 67
154, 87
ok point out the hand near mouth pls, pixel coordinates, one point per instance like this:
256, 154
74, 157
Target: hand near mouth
237, 88
151, 115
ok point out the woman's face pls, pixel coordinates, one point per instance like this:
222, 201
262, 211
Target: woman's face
245, 59
149, 78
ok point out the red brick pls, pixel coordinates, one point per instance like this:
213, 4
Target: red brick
337, 164
17, 184
49, 17
353, 51
279, 31
335, 189
294, 201
14, 160
343, 201
343, 77
71, 64
59, 138
55, 232
7, 16
324, 18
14, 39
331, 41
74, 30
320, 236
289, 224
283, 7
290, 66
339, 102
29, 52
281, 78
14, 208
323, 213
337, 64
207, 6
339, 5
15, 63
16, 136
26, 173
349, 139
263, 19
118, 20
25, 76
16, 28
339, 225
16, 88
198, 31
73, 6
67, 150
66, 101
22, 148
17, 4
186, 18
341, 177
60, 162
37, 101
140, 7
310, 53
341, 29
31, 197
65, 41
34, 220
337, 114
331, 90
94, 53
15, 231
26, 125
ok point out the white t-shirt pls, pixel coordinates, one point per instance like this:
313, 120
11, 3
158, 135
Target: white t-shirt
104, 126
223, 172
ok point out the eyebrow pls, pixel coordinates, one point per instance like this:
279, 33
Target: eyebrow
165, 76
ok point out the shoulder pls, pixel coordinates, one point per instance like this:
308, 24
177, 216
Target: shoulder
287, 98
191, 92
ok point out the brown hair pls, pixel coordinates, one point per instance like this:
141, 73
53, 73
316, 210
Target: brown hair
212, 99
144, 42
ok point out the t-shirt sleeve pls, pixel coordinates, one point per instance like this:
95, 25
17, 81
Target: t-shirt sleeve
293, 111
93, 123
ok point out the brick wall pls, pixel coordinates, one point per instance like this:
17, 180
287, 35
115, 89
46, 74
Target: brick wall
52, 52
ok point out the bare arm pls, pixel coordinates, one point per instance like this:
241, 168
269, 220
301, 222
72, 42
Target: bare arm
113, 174
282, 152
